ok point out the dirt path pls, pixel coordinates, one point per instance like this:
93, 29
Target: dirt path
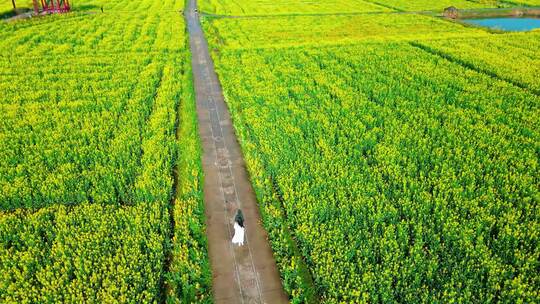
246, 274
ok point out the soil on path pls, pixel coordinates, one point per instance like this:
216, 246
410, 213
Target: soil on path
240, 274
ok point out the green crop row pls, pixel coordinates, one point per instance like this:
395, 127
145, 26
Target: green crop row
135, 6
87, 253
399, 175
77, 101
439, 5
286, 7
512, 57
280, 32
283, 7
189, 277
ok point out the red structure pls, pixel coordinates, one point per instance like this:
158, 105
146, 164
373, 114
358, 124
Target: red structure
52, 6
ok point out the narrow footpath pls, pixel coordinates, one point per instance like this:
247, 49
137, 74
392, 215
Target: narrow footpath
240, 274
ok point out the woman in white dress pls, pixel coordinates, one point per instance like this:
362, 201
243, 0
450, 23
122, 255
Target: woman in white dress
238, 237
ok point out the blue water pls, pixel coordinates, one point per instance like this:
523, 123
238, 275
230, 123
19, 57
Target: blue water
515, 24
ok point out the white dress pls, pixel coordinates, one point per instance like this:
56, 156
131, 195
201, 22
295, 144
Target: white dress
238, 237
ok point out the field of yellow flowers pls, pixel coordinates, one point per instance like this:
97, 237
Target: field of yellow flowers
97, 110
395, 156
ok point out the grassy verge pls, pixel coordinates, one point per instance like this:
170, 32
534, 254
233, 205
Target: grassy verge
189, 277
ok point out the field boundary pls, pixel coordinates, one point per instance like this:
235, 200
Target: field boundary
170, 210
218, 16
396, 11
302, 286
307, 283
385, 5
472, 67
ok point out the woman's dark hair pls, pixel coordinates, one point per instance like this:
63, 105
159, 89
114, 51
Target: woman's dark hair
239, 218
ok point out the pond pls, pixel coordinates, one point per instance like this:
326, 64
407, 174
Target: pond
507, 23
